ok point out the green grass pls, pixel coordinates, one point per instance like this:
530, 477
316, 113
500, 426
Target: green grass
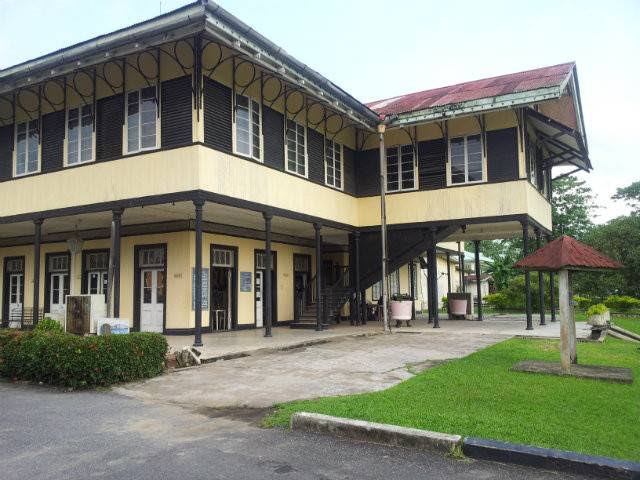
628, 323
479, 396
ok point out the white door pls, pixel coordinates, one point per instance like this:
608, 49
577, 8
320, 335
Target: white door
58, 289
259, 277
151, 300
15, 295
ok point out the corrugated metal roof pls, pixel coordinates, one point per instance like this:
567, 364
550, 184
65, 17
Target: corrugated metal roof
552, 76
569, 253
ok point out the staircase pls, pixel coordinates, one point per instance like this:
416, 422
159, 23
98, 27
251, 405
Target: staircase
332, 300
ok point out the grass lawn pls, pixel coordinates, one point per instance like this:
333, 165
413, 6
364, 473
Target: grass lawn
479, 396
628, 323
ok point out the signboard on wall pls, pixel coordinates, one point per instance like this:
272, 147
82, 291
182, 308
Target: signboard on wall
245, 281
205, 289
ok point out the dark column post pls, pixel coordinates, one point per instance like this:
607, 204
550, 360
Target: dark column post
267, 275
540, 282
527, 276
552, 291
461, 262
317, 228
412, 288
356, 248
433, 271
117, 224
197, 341
476, 244
448, 272
37, 238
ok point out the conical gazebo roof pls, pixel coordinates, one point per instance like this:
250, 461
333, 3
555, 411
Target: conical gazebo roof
567, 253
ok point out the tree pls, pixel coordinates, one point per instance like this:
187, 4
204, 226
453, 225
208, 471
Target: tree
630, 195
572, 207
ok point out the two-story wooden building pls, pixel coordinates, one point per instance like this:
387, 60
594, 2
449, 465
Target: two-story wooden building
190, 146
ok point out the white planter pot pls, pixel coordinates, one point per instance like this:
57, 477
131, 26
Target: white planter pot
401, 309
599, 320
458, 307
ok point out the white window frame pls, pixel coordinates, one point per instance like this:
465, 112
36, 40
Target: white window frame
466, 161
93, 136
286, 149
399, 155
251, 102
125, 143
533, 164
333, 160
15, 148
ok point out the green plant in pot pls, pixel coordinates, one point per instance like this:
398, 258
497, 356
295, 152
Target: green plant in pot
598, 315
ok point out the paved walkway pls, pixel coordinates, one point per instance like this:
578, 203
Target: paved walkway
219, 345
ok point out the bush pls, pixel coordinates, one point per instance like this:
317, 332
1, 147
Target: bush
59, 358
499, 301
582, 302
49, 325
597, 309
622, 303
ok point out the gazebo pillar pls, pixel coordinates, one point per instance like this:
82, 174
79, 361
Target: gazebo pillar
568, 354
527, 275
552, 290
540, 281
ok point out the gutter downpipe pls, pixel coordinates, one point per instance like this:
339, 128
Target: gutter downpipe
383, 223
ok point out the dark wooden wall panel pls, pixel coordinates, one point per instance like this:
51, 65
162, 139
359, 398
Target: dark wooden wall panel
217, 116
6, 152
53, 141
273, 132
110, 118
315, 150
177, 107
367, 173
432, 164
502, 155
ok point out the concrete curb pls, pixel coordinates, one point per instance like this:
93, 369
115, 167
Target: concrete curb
375, 432
550, 459
478, 448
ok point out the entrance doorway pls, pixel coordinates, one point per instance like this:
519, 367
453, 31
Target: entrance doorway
57, 284
150, 288
260, 300
301, 278
13, 292
223, 308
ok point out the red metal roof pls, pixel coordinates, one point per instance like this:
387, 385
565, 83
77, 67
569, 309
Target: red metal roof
569, 253
478, 89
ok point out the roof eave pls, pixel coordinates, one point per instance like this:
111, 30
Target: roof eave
483, 105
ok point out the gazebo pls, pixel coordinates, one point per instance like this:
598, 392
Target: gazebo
565, 255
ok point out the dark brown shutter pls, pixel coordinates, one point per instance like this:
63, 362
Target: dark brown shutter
315, 150
6, 152
53, 141
432, 164
273, 132
176, 107
217, 115
109, 121
367, 173
502, 155
349, 170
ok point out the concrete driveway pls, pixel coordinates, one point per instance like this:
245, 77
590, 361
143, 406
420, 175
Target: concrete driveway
343, 365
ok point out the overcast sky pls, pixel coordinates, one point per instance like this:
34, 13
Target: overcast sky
378, 48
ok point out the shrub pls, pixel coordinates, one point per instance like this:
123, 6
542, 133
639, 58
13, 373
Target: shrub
597, 309
445, 299
499, 301
59, 358
582, 302
49, 325
621, 303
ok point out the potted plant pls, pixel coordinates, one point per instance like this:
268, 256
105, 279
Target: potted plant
401, 308
458, 306
598, 315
